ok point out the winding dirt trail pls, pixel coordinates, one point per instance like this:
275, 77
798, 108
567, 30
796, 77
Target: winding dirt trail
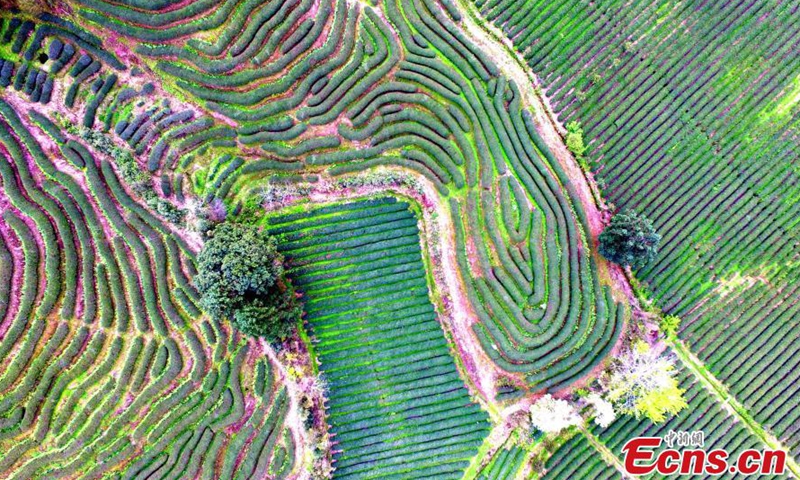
437, 236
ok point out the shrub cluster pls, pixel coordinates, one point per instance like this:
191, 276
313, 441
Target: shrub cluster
132, 174
574, 140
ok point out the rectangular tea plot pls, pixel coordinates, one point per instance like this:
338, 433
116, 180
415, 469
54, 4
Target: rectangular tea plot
398, 408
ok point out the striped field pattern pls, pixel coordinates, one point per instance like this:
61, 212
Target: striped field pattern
332, 87
107, 366
577, 459
690, 111
397, 406
505, 465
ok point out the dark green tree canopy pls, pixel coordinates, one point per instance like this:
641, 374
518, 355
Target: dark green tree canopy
241, 277
630, 240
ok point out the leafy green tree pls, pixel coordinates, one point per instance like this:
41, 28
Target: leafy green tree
630, 240
574, 139
272, 316
241, 277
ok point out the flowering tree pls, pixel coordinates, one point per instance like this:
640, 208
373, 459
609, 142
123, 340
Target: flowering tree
604, 410
551, 415
644, 383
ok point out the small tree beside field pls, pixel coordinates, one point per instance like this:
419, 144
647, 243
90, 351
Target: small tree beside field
629, 240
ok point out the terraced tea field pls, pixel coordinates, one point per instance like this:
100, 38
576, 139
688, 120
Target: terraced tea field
331, 87
103, 367
690, 114
131, 129
578, 459
507, 464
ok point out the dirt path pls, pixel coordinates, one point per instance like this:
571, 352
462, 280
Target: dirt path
606, 453
437, 235
303, 457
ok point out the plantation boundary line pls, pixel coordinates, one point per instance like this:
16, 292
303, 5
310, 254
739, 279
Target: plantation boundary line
723, 396
605, 452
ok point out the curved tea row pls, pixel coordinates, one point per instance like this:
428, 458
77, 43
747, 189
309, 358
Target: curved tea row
690, 113
107, 367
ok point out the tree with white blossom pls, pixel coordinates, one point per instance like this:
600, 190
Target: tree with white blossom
643, 383
551, 415
603, 409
